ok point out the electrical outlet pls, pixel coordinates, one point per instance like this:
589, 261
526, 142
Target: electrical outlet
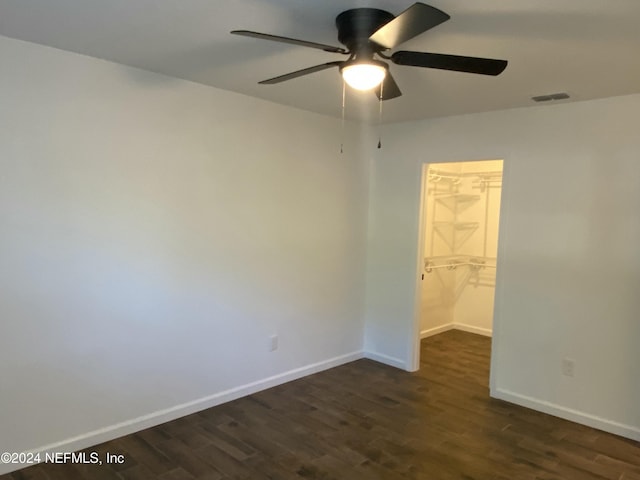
273, 343
568, 367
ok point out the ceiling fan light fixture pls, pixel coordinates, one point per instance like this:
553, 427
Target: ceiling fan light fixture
363, 75
367, 33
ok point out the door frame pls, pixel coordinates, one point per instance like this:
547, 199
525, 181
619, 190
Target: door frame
414, 345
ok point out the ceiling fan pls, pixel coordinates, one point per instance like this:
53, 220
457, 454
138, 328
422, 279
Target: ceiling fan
367, 33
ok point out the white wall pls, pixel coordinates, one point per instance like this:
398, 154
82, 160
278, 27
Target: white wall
154, 233
569, 263
475, 303
438, 288
437, 302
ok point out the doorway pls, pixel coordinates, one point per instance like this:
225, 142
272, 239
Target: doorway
459, 245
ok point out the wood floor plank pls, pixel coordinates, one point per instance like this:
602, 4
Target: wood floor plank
364, 420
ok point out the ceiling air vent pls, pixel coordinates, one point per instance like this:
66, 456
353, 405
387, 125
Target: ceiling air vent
553, 96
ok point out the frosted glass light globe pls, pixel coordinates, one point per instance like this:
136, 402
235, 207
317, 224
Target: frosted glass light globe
364, 76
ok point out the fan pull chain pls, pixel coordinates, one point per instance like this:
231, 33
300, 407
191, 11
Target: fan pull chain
344, 96
380, 116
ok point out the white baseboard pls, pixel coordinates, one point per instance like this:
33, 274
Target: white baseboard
106, 434
576, 416
436, 330
455, 326
386, 359
487, 332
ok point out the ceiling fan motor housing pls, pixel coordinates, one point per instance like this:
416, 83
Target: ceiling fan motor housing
355, 26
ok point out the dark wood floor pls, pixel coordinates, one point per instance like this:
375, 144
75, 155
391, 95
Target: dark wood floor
364, 420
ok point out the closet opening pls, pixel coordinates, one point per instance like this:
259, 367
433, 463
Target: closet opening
459, 245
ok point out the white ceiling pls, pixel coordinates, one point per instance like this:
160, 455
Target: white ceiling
588, 48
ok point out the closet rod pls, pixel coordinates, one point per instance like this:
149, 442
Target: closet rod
465, 174
453, 266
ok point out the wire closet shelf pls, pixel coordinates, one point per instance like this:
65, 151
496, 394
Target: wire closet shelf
451, 197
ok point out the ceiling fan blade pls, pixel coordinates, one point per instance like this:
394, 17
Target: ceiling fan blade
292, 41
483, 66
299, 73
389, 88
416, 19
